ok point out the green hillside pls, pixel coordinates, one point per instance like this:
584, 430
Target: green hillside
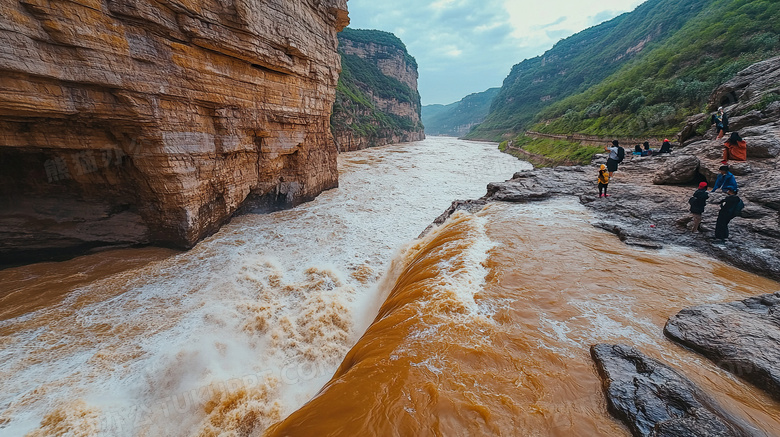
457, 119
356, 114
639, 74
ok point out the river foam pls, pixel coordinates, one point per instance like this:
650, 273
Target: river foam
246, 327
435, 363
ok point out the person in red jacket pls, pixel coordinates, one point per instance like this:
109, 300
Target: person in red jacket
734, 149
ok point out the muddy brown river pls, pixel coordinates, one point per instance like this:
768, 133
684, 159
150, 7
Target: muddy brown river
332, 319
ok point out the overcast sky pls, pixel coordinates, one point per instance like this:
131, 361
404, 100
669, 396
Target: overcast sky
468, 46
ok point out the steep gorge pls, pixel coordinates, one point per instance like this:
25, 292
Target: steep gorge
126, 122
457, 119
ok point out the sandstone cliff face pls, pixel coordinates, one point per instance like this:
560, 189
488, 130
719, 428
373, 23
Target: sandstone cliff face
377, 102
128, 121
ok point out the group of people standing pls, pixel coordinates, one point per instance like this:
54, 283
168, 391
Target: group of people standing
730, 206
734, 149
616, 156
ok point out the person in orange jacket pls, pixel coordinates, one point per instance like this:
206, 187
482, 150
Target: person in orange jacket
735, 149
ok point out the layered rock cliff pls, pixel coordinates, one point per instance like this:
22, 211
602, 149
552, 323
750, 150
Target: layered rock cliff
377, 102
128, 121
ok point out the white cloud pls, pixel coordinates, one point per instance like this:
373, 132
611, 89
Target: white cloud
453, 51
441, 4
467, 46
536, 22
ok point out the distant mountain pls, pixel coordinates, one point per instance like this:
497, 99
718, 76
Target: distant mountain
639, 74
377, 101
457, 119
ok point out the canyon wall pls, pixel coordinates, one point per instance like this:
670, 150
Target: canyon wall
130, 121
377, 102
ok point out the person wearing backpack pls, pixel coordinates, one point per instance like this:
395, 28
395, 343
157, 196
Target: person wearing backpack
698, 201
616, 155
647, 150
730, 207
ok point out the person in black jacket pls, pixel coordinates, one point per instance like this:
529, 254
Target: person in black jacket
698, 201
721, 122
666, 147
730, 207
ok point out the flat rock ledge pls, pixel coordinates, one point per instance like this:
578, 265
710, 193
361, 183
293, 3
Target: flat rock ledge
652, 399
741, 337
652, 216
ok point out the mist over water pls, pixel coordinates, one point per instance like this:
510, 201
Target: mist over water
240, 331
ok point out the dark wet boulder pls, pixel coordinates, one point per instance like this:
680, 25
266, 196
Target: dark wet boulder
677, 170
741, 337
471, 206
652, 399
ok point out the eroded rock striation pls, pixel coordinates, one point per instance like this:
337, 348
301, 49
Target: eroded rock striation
741, 337
127, 121
652, 399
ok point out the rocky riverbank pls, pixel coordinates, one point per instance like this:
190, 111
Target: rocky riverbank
649, 207
645, 209
653, 399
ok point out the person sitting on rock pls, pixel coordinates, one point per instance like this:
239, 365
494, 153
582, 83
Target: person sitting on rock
666, 147
721, 122
637, 150
698, 201
648, 151
725, 181
603, 181
734, 149
730, 207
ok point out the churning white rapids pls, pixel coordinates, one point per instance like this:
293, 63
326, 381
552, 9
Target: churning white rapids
246, 327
